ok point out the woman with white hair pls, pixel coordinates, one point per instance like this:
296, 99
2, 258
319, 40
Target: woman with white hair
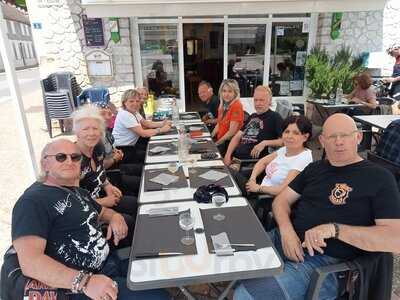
230, 114
89, 128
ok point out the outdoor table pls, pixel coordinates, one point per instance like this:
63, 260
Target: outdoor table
377, 121
189, 117
325, 109
180, 194
205, 133
205, 266
171, 156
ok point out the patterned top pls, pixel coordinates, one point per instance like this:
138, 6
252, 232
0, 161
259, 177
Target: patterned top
389, 145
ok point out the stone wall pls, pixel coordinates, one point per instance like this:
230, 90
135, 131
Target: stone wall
64, 46
391, 30
361, 31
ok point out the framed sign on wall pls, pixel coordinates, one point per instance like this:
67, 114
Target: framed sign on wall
94, 33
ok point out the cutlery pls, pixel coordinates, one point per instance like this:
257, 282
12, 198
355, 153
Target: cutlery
157, 254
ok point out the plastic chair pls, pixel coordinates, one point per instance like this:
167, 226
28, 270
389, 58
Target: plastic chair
284, 108
58, 103
94, 95
352, 282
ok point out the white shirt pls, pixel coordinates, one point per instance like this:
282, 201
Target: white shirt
278, 169
122, 134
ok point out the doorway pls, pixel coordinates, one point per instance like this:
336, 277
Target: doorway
203, 48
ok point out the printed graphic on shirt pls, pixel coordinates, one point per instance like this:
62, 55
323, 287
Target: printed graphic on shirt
271, 169
97, 181
87, 246
252, 131
340, 193
35, 290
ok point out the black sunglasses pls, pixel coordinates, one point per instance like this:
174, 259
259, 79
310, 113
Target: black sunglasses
61, 157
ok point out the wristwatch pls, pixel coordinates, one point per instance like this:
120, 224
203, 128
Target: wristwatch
158, 130
336, 225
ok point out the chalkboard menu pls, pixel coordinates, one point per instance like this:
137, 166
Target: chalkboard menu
93, 28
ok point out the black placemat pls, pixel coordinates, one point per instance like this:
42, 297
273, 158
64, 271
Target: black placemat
150, 186
240, 224
172, 149
173, 130
160, 234
202, 146
203, 127
196, 181
189, 116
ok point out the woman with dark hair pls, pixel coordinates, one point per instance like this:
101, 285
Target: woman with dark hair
363, 94
282, 166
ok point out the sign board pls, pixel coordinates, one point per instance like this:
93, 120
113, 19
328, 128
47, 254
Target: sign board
37, 25
94, 34
99, 63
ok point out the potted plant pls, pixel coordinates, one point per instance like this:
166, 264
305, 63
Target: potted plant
325, 73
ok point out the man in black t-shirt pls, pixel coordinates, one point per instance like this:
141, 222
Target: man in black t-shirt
210, 101
262, 129
57, 235
345, 206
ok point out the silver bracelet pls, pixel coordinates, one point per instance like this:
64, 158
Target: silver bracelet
77, 281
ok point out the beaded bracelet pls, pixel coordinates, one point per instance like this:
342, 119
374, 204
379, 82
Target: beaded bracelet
77, 281
86, 282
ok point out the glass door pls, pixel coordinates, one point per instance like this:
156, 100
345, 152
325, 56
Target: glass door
160, 59
246, 55
289, 41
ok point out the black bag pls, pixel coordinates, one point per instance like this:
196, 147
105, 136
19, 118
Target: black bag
204, 193
15, 286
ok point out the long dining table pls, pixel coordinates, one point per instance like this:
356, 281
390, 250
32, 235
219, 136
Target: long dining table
157, 257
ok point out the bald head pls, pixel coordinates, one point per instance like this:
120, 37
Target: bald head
340, 139
340, 120
56, 171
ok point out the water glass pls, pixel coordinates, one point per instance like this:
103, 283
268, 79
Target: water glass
173, 167
218, 199
186, 222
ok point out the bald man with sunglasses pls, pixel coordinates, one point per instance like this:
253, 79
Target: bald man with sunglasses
57, 236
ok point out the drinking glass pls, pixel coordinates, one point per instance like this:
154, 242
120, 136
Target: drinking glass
218, 199
186, 222
173, 167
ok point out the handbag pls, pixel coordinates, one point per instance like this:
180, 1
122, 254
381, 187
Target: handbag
204, 193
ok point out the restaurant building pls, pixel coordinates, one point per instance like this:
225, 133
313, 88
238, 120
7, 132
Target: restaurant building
170, 46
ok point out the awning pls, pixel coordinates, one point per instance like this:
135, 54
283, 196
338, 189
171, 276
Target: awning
168, 8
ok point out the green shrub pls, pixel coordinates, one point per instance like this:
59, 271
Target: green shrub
325, 73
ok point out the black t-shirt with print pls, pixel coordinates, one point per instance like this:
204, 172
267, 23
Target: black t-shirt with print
67, 220
213, 105
355, 194
92, 180
257, 128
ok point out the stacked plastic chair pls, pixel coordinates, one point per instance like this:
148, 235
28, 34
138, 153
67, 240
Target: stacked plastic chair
58, 98
94, 95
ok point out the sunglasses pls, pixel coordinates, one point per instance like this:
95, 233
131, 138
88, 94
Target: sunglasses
61, 157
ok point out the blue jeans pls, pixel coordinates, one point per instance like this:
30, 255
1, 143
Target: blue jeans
293, 282
117, 270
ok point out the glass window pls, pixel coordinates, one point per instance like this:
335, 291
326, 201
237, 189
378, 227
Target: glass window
159, 53
288, 53
15, 51
246, 49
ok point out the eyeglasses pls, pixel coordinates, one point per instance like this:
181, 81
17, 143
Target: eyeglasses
61, 157
343, 136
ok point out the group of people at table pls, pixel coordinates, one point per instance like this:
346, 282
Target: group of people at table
327, 211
